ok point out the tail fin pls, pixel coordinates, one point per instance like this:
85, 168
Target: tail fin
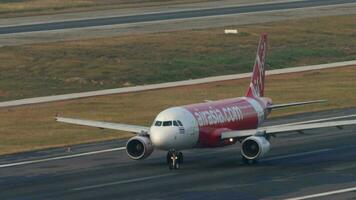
256, 88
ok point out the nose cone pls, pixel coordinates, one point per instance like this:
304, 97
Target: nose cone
163, 137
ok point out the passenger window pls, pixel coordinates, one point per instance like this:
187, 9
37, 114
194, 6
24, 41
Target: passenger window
180, 123
158, 123
175, 123
167, 123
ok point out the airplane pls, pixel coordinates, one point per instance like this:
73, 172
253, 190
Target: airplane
214, 124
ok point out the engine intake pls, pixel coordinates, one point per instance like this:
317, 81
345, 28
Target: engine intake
139, 147
254, 147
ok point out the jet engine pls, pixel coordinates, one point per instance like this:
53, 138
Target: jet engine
254, 147
139, 147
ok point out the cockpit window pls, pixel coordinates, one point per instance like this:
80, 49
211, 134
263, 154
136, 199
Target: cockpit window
167, 123
180, 123
175, 123
158, 123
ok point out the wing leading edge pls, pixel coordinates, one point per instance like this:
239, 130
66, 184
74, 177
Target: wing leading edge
284, 105
107, 125
271, 130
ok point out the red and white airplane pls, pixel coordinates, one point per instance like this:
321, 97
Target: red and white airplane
214, 123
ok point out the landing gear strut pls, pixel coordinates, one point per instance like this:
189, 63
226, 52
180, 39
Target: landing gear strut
174, 159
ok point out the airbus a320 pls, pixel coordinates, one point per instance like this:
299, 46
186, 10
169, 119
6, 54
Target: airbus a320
214, 123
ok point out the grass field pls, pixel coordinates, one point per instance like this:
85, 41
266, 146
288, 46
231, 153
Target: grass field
65, 67
16, 8
33, 127
20, 8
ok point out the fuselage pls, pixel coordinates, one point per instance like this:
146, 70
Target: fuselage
200, 125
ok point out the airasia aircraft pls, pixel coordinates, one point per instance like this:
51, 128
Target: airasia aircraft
214, 124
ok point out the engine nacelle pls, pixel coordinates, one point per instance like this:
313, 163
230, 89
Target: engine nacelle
254, 147
139, 147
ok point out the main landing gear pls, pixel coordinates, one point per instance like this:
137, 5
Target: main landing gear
174, 159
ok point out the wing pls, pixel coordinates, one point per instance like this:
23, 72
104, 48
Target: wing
284, 105
300, 126
107, 125
317, 120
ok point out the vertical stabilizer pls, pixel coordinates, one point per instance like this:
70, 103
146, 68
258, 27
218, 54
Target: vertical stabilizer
256, 87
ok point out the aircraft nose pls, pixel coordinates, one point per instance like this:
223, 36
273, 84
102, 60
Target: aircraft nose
162, 138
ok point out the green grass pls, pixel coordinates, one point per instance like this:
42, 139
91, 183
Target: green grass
65, 67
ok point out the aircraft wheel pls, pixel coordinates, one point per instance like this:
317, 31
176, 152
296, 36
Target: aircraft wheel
180, 157
174, 159
169, 155
171, 166
177, 165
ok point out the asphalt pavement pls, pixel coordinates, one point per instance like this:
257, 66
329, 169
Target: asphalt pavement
315, 162
162, 16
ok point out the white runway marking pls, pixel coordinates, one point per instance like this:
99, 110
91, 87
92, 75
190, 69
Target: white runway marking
296, 154
60, 157
324, 194
122, 182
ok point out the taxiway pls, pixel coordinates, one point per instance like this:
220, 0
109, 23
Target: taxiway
163, 16
140, 88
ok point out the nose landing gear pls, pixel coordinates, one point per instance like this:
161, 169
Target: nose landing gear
174, 159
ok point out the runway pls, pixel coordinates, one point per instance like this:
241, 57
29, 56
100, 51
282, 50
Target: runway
164, 16
318, 163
